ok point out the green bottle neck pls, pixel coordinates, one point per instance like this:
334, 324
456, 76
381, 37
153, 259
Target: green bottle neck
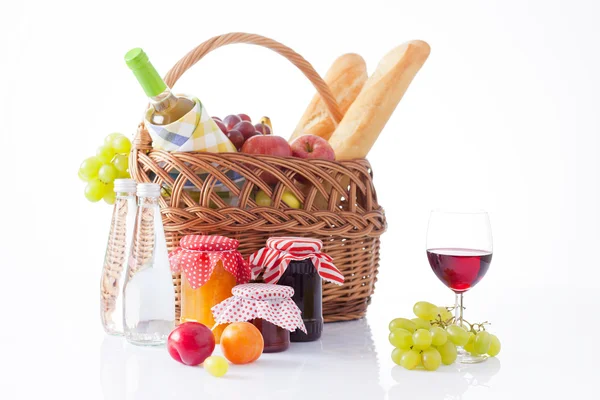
155, 87
150, 80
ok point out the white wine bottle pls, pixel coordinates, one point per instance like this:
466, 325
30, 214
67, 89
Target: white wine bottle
167, 107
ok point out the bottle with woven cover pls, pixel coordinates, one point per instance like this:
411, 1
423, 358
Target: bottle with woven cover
115, 259
149, 312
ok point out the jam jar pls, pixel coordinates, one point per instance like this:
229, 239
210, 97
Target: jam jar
303, 277
276, 338
269, 307
210, 267
300, 264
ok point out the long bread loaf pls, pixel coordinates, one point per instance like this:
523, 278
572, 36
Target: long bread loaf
345, 78
368, 114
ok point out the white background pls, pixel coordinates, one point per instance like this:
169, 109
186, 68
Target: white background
504, 116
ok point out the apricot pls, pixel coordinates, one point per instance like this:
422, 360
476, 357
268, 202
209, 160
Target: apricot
242, 343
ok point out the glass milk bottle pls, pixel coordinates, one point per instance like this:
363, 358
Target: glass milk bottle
149, 312
115, 259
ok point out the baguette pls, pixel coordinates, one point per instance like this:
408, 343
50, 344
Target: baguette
370, 111
345, 78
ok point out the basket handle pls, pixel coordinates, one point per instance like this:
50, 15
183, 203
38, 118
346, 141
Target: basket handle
203, 49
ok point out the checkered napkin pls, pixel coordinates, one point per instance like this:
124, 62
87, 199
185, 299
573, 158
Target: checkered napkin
195, 131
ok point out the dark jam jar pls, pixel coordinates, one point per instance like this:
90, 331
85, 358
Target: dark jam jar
298, 263
276, 338
303, 277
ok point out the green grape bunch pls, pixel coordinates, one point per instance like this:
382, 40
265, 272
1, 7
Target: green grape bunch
431, 339
100, 171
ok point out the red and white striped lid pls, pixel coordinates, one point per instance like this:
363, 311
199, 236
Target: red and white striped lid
272, 303
273, 259
297, 245
197, 256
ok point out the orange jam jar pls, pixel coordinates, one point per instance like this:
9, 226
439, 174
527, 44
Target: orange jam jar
210, 267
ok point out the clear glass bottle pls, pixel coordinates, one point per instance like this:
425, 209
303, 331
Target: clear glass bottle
115, 259
167, 107
149, 295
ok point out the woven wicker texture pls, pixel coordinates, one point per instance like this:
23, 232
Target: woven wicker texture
338, 200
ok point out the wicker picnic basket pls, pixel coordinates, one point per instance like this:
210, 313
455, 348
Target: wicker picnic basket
338, 199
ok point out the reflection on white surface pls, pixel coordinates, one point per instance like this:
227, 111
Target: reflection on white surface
344, 361
145, 375
480, 376
112, 369
448, 382
351, 361
133, 372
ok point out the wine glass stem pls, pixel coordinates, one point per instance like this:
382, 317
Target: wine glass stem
458, 309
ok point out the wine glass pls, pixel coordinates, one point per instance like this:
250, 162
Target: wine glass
459, 249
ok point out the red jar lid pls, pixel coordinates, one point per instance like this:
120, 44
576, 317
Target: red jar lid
198, 255
208, 243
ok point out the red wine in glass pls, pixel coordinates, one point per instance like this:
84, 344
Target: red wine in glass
459, 249
459, 269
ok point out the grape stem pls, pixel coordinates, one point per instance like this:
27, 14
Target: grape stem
472, 327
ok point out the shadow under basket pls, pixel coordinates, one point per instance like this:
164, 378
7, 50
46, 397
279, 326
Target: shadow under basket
214, 194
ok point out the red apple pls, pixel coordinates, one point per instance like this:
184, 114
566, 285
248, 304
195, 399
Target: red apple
312, 146
268, 145
191, 343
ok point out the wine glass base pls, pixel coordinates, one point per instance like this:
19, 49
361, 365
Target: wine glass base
464, 357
